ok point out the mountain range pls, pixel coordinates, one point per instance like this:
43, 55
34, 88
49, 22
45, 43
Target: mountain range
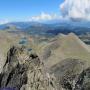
63, 63
53, 28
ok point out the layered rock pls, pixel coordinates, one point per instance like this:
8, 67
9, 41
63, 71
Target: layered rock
83, 82
68, 71
25, 71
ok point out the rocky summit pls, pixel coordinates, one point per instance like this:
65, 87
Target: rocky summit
25, 71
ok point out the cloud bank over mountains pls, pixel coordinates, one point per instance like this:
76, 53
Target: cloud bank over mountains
76, 9
44, 17
69, 9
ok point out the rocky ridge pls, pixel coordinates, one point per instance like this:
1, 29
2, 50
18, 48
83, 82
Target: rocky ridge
25, 71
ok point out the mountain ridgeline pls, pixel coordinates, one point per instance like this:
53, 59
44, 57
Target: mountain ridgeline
25, 71
39, 56
28, 70
53, 28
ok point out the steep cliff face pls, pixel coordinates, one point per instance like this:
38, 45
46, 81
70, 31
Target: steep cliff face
83, 82
25, 71
67, 72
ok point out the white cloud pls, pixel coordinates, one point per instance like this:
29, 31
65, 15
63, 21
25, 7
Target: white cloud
3, 21
76, 9
45, 17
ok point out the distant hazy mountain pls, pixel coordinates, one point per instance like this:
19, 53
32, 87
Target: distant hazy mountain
22, 25
51, 28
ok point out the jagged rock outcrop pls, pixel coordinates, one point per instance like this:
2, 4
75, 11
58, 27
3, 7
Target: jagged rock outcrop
25, 71
67, 72
83, 82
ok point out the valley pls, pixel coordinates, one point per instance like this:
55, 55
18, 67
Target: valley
60, 57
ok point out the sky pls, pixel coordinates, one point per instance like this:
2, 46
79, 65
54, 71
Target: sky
20, 10
43, 10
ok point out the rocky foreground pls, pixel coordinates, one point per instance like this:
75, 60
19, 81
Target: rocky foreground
23, 70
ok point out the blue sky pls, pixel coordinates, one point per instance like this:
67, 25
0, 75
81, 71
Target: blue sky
20, 10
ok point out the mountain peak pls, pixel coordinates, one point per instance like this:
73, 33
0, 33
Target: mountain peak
71, 34
25, 71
